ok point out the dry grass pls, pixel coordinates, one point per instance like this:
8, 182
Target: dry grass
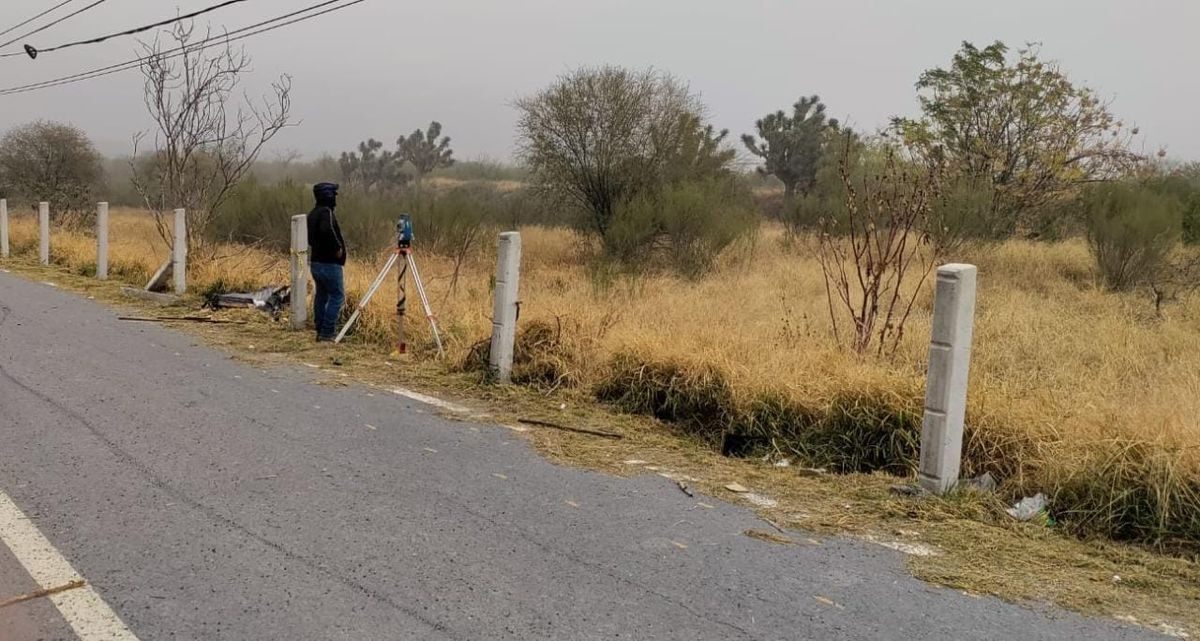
1071, 386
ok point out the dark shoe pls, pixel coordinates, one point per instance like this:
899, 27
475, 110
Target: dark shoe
325, 339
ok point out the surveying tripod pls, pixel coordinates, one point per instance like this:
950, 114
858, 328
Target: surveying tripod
404, 238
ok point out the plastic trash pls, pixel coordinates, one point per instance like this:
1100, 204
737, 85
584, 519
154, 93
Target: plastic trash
1029, 507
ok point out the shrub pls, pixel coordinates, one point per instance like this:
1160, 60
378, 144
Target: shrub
962, 214
260, 213
686, 226
1131, 230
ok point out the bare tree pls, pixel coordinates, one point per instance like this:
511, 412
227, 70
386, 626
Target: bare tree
203, 143
876, 259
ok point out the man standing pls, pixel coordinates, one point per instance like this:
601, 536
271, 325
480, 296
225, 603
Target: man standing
327, 250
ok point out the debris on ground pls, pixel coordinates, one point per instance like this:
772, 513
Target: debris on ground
911, 549
737, 488
984, 482
760, 500
189, 319
565, 428
769, 537
907, 489
774, 525
1029, 507
683, 487
45, 592
270, 299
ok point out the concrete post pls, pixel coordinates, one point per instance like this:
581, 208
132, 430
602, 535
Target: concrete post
179, 255
946, 385
504, 311
44, 233
3, 228
102, 241
299, 271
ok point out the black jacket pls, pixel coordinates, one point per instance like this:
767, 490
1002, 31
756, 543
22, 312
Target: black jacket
325, 237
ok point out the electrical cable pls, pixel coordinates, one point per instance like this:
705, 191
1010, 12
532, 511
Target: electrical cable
22, 24
33, 52
60, 20
238, 34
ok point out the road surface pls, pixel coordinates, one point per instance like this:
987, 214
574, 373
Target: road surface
205, 499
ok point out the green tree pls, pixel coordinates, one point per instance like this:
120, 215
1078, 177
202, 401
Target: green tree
424, 151
54, 162
792, 146
1020, 127
601, 136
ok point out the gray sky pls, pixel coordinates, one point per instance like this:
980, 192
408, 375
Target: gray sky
388, 66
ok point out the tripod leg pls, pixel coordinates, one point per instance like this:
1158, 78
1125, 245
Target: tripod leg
362, 304
437, 338
401, 308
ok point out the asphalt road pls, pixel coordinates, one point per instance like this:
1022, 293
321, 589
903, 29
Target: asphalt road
204, 499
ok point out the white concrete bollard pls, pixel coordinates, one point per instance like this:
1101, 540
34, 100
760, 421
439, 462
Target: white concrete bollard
946, 385
3, 228
44, 233
179, 255
504, 311
102, 241
299, 271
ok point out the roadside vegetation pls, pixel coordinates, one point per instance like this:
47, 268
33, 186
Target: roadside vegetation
784, 315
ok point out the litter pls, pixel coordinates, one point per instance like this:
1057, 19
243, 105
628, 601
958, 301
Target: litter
737, 488
1029, 507
271, 300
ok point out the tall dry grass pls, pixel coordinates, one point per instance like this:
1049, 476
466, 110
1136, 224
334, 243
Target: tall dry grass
1075, 391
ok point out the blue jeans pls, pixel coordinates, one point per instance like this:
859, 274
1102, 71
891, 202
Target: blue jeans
328, 298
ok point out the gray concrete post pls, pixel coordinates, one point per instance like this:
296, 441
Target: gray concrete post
946, 385
102, 241
3, 228
179, 254
44, 233
504, 311
299, 271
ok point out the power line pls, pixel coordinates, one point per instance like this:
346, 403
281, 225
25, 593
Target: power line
22, 24
33, 52
62, 19
232, 36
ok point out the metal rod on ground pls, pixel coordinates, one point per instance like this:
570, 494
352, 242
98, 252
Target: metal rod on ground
362, 304
102, 241
299, 274
179, 255
3, 228
946, 385
44, 233
437, 338
504, 310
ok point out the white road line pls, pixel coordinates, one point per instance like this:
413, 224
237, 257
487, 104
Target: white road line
429, 400
83, 609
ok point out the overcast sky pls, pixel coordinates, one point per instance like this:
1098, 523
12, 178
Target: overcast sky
385, 67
